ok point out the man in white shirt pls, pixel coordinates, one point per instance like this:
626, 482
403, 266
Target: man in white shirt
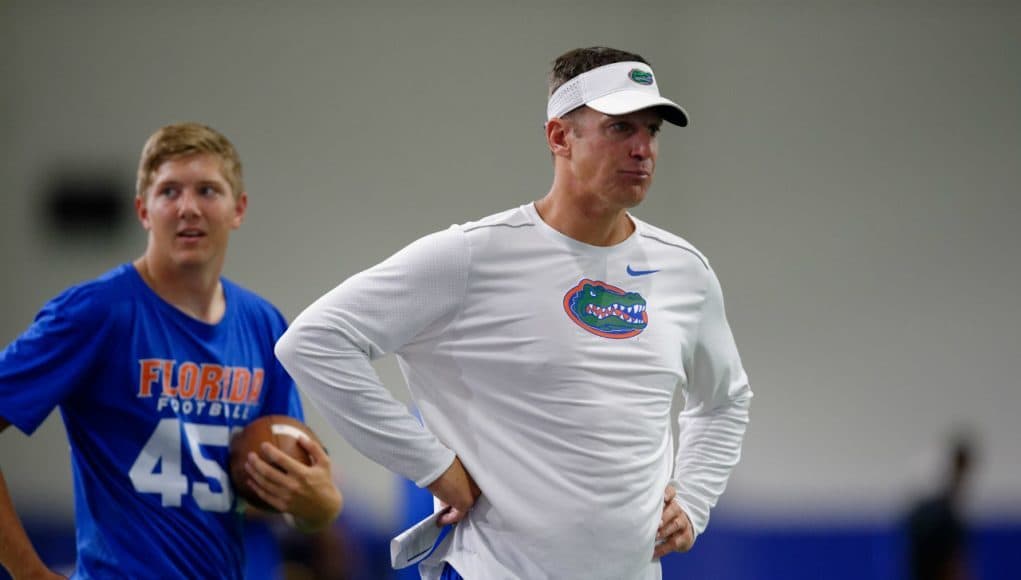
543, 347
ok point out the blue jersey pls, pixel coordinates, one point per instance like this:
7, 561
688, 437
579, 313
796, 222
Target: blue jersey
149, 398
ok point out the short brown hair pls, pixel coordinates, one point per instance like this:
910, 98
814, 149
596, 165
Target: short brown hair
183, 140
581, 60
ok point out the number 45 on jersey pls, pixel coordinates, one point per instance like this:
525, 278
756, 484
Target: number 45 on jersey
163, 451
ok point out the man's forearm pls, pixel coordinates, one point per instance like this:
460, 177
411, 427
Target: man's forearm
329, 509
709, 446
17, 554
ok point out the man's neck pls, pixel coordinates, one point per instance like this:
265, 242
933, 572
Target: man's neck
198, 293
583, 220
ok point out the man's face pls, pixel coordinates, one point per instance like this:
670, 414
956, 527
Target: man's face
613, 157
189, 211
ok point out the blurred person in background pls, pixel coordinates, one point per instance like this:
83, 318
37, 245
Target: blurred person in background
937, 533
544, 346
153, 365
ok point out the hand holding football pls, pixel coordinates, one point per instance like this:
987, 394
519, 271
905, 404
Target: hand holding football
280, 430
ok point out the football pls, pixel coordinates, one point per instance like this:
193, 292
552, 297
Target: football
280, 430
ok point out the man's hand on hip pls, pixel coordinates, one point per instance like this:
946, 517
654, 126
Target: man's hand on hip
674, 533
457, 489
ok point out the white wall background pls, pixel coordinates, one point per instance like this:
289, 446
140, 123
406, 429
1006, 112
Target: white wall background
852, 171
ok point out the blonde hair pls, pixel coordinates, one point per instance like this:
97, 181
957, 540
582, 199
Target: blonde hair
183, 140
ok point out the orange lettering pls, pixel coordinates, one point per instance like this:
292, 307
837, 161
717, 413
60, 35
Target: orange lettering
239, 385
253, 395
169, 390
168, 369
225, 382
187, 379
209, 386
147, 376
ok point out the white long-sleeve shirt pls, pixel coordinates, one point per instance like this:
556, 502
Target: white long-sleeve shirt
549, 367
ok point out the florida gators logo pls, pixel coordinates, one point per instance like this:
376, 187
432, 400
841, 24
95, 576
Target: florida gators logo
606, 310
640, 76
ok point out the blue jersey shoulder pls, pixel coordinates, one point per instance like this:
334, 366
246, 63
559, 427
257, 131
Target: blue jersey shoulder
92, 303
254, 306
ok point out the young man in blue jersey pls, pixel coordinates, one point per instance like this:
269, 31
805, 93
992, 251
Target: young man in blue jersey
153, 366
544, 346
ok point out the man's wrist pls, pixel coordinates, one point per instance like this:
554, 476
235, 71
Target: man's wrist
31, 566
318, 521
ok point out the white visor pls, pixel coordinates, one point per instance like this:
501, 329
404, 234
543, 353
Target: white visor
614, 89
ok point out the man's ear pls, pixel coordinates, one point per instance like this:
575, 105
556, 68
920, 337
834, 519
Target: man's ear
557, 131
240, 207
142, 211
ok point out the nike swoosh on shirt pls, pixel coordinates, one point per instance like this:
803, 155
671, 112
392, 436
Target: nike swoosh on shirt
632, 272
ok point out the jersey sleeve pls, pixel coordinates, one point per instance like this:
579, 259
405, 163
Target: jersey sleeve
715, 415
282, 398
52, 358
329, 346
281, 395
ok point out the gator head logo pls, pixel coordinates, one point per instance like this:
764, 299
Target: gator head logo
606, 310
640, 76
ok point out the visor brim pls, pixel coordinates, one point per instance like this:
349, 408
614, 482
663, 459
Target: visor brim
624, 102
